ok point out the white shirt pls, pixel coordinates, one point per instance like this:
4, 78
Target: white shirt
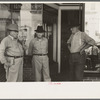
10, 46
78, 41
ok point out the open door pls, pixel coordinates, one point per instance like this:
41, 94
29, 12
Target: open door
50, 16
68, 16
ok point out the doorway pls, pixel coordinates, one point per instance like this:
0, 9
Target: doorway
50, 26
68, 17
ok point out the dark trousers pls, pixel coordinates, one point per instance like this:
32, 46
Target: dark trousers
77, 63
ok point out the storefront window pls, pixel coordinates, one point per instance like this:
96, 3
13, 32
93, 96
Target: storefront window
92, 20
92, 28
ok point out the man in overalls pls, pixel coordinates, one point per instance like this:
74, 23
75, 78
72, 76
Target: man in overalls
77, 43
38, 48
11, 55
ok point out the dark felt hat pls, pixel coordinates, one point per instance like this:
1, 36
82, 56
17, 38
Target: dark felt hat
74, 25
40, 29
13, 27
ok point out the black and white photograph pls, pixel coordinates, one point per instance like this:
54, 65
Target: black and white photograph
49, 42
53, 43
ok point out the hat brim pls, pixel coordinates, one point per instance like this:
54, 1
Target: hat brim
13, 30
40, 31
74, 26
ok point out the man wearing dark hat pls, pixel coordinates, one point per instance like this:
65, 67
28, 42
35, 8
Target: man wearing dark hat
38, 48
11, 55
77, 43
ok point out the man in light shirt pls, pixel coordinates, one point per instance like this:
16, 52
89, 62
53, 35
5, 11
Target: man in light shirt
11, 55
38, 48
77, 43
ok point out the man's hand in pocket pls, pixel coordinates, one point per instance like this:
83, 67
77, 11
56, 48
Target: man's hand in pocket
7, 64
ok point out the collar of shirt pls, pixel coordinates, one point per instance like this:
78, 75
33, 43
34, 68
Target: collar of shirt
77, 32
39, 39
11, 37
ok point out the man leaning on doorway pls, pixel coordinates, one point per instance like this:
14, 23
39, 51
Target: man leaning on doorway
77, 43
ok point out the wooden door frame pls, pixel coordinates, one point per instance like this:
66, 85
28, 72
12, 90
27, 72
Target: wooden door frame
69, 7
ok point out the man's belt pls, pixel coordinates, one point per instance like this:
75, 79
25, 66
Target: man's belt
14, 56
76, 53
40, 54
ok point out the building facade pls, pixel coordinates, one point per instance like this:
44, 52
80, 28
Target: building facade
55, 18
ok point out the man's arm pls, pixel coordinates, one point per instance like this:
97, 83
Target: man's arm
30, 49
88, 42
69, 42
84, 47
69, 46
47, 44
2, 51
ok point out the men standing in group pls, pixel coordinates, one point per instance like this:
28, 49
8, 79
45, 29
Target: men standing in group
11, 55
38, 48
77, 43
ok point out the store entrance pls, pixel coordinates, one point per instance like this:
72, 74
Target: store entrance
68, 17
50, 16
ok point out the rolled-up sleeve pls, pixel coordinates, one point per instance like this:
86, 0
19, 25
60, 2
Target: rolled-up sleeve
2, 51
88, 39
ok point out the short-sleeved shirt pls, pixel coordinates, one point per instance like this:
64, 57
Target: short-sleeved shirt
10, 46
78, 41
38, 46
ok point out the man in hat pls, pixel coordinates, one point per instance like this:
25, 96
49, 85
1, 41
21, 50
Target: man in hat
11, 55
38, 48
77, 43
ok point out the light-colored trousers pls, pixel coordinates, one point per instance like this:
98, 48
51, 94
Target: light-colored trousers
14, 73
40, 66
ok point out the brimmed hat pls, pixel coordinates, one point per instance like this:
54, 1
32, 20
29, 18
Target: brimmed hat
74, 25
13, 27
40, 29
